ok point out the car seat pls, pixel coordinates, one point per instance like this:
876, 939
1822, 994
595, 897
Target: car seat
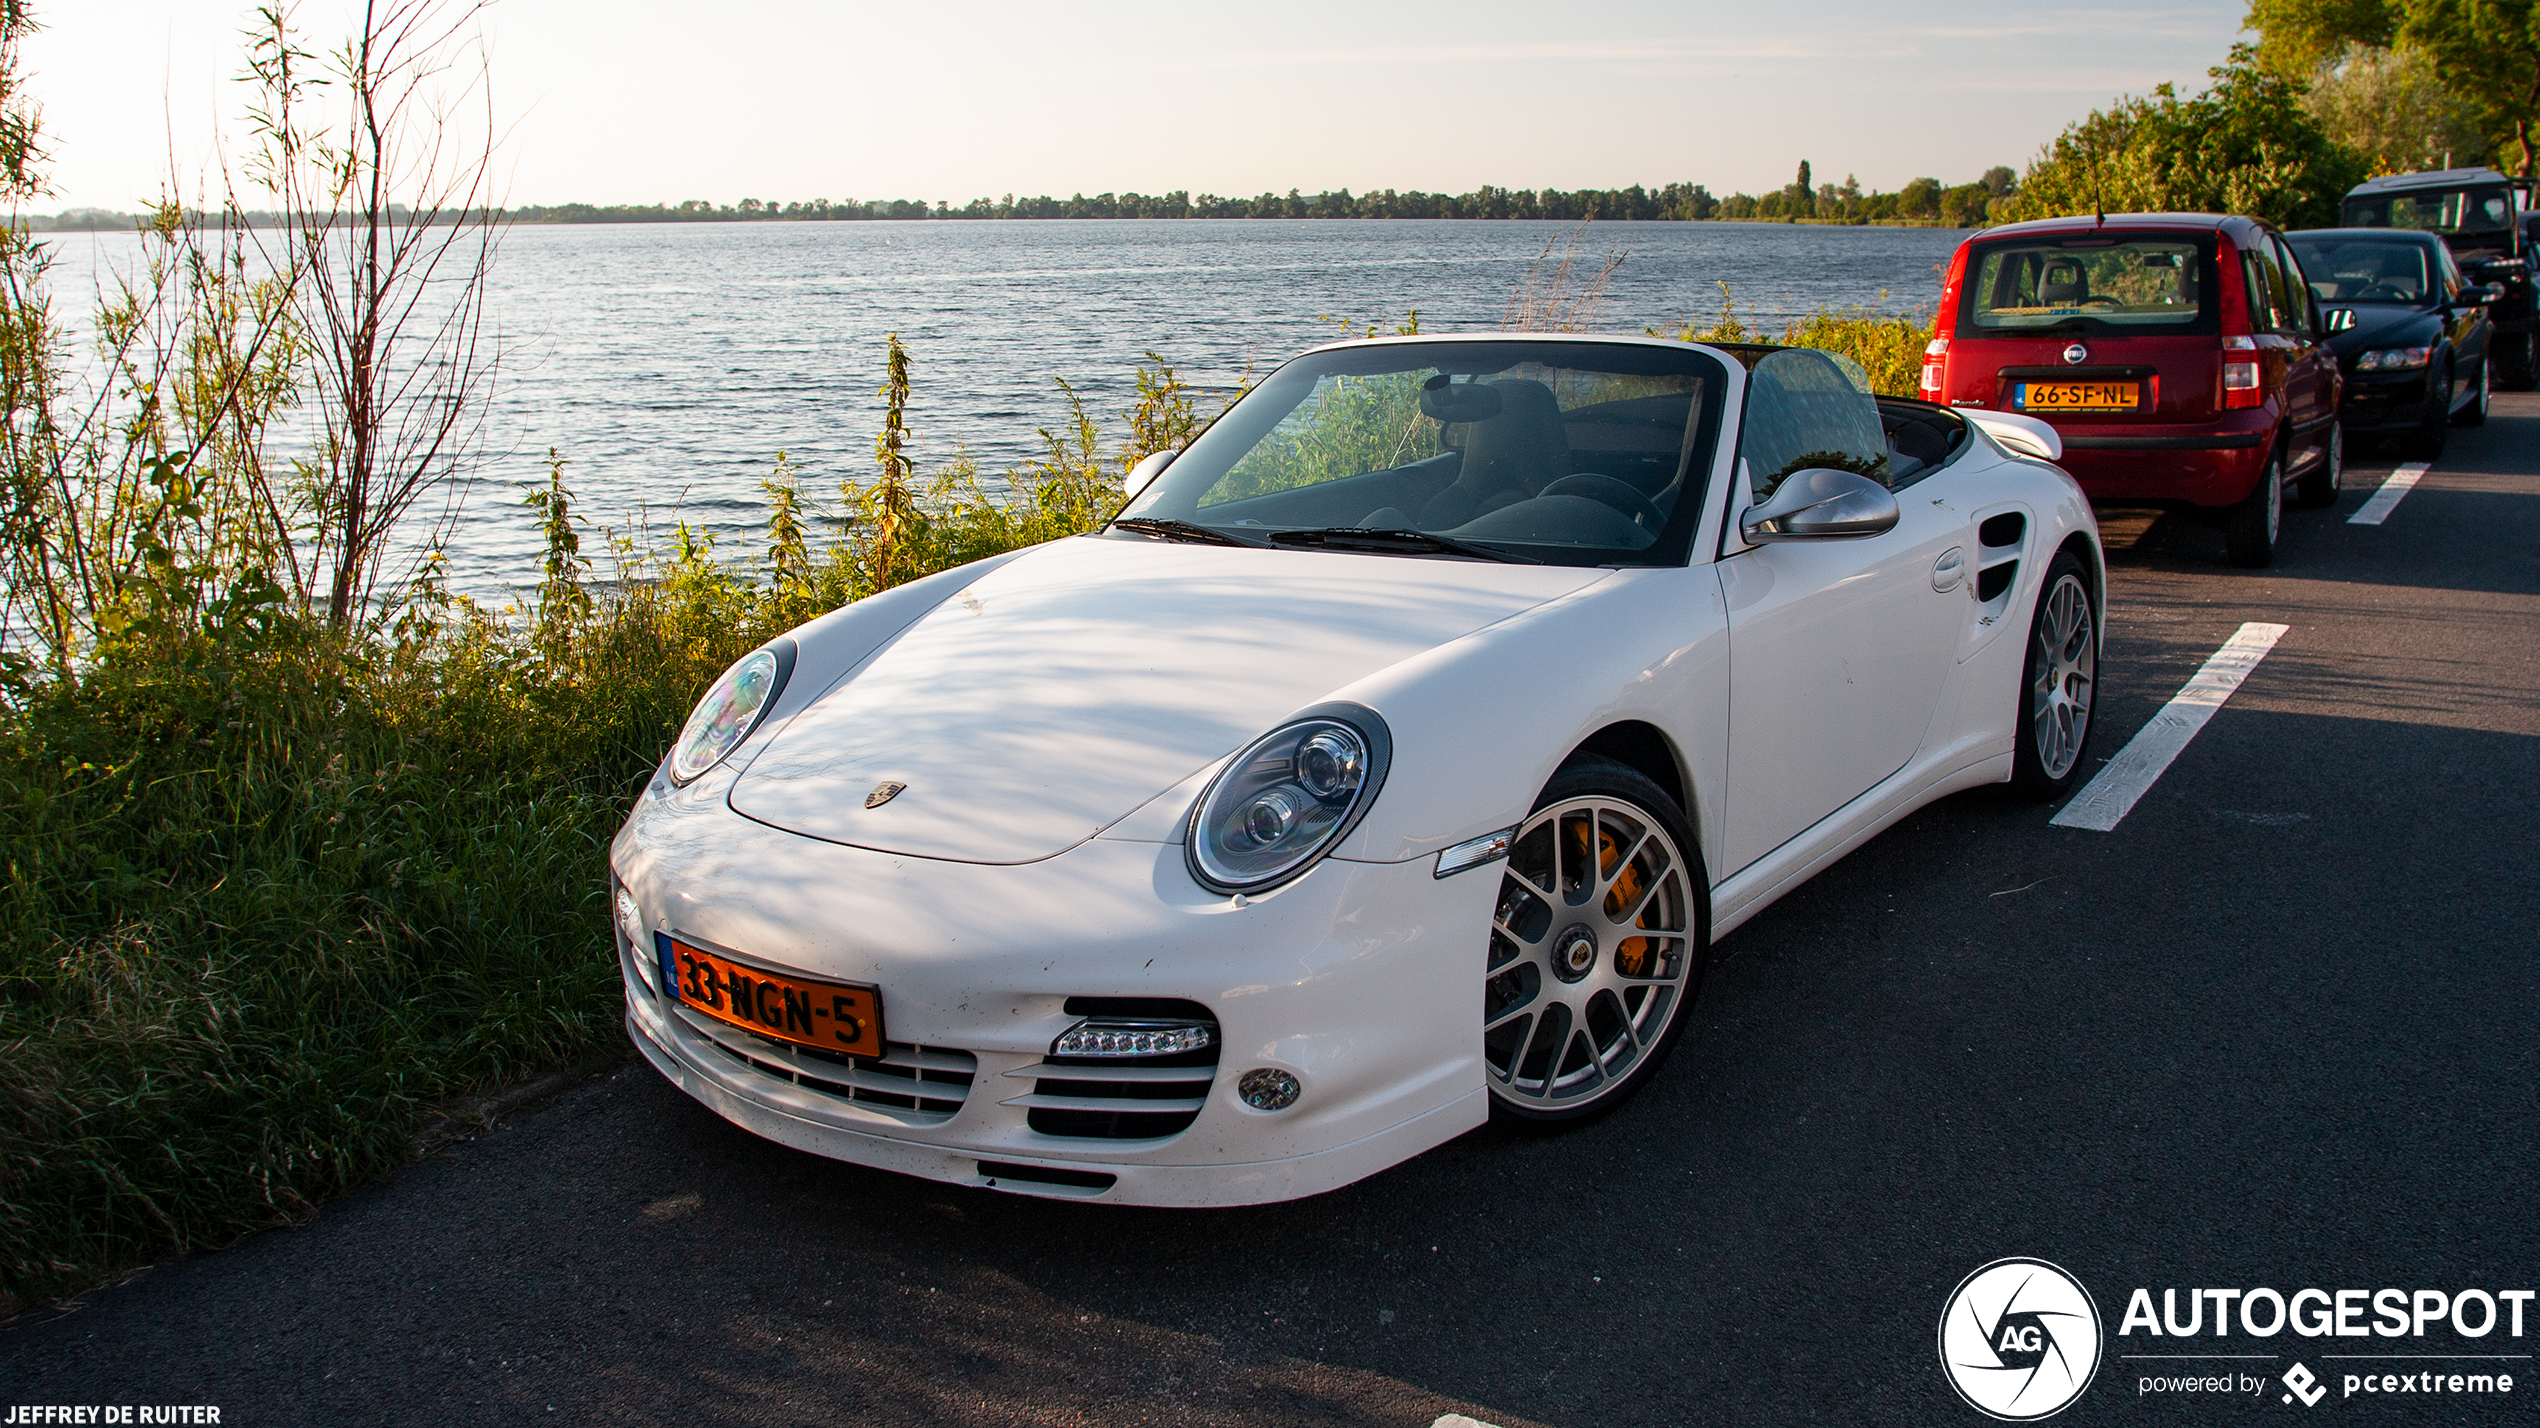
1507, 458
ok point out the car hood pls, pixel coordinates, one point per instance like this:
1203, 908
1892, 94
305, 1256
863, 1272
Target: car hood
2386, 325
1061, 691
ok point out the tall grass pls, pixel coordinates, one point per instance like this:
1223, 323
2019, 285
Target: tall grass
273, 887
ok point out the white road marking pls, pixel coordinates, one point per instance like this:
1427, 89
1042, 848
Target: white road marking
2105, 802
2386, 500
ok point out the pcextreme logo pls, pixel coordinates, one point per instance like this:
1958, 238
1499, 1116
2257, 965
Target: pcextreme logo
2019, 1339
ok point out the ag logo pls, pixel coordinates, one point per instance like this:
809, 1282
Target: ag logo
2019, 1339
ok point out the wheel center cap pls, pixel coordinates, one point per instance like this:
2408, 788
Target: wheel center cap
1574, 953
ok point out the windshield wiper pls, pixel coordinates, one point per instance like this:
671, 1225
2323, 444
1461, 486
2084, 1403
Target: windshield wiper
1394, 542
1164, 529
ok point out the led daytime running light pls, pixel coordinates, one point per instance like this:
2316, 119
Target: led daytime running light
1124, 1039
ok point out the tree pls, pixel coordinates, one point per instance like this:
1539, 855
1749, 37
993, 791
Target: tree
392, 220
2000, 181
2484, 53
2392, 108
20, 127
2488, 53
2296, 37
2245, 145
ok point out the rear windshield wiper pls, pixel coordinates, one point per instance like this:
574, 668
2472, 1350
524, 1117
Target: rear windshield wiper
1164, 529
1393, 542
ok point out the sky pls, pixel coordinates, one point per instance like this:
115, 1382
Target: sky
640, 101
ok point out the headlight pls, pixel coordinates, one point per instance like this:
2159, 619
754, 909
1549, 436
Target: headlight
730, 710
2394, 359
1288, 798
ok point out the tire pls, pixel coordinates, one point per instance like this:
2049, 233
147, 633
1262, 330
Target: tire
2250, 531
2515, 369
2321, 485
1569, 1031
2426, 442
2059, 684
2475, 414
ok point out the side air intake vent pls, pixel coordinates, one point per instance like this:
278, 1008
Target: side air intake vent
1135, 1068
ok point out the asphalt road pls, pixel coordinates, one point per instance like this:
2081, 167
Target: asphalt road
2275, 1029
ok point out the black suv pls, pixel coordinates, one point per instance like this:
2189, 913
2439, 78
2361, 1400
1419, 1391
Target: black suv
2480, 215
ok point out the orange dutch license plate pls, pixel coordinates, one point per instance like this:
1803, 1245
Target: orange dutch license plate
2079, 396
796, 1009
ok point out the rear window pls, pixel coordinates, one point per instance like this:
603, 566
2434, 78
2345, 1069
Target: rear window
2368, 269
2090, 283
2447, 211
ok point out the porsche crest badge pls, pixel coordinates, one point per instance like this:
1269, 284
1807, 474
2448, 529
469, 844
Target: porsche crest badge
883, 793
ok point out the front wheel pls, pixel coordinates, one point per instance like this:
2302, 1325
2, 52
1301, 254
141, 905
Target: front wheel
2513, 356
2321, 484
2250, 531
2474, 413
2426, 442
2060, 684
1597, 946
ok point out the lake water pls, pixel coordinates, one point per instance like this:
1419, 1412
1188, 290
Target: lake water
669, 363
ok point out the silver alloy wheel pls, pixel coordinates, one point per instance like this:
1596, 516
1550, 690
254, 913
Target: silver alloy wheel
2336, 457
2484, 390
2067, 673
2275, 502
1590, 951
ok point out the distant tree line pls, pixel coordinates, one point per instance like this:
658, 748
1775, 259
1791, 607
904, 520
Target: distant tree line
1922, 201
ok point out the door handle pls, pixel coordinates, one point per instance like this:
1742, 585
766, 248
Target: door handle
1947, 571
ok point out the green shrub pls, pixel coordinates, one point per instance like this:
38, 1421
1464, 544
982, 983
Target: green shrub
1888, 346
272, 889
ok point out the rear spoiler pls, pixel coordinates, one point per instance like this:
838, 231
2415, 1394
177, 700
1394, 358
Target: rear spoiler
2023, 434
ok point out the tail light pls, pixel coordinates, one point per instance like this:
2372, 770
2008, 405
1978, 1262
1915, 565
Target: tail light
2240, 383
2240, 376
1944, 325
2240, 379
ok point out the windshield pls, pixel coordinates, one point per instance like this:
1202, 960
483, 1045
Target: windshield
1576, 453
2367, 269
2094, 282
2446, 211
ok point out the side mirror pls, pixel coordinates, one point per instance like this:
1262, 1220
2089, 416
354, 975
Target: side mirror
1820, 504
1145, 472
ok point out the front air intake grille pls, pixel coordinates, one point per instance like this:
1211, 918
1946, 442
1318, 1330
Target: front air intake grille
1080, 1181
1122, 1098
921, 1085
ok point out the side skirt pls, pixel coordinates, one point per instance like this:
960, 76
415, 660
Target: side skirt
1973, 764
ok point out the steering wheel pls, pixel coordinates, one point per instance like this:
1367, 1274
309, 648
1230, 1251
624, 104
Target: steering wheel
2385, 292
1621, 495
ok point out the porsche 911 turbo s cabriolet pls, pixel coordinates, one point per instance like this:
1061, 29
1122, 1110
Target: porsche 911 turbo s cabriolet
1388, 764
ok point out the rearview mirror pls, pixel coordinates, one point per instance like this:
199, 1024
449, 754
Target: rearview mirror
1458, 401
1821, 504
1144, 472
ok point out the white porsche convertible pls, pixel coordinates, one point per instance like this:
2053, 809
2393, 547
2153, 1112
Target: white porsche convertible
1388, 765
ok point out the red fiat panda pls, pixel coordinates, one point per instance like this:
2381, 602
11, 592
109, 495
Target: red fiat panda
2179, 355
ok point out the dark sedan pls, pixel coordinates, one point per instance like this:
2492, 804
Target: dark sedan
2411, 334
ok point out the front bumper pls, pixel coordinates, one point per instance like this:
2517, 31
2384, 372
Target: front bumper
2376, 405
1360, 979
